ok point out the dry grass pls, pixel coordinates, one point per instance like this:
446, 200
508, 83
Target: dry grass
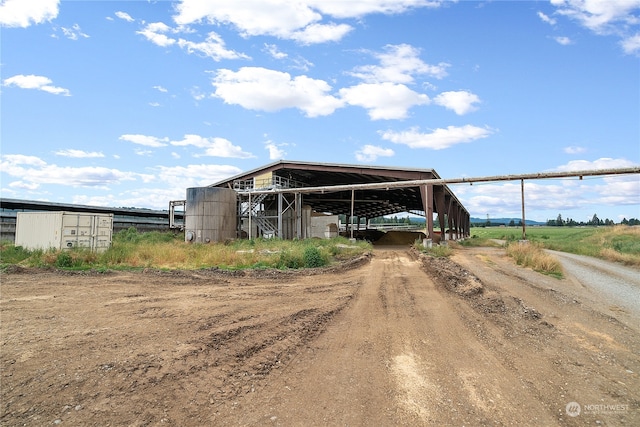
533, 256
169, 251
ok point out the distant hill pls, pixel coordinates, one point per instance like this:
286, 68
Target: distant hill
494, 221
505, 221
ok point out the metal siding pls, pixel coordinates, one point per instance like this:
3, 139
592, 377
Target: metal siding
38, 230
210, 214
62, 230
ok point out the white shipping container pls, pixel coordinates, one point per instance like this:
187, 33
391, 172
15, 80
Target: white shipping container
64, 230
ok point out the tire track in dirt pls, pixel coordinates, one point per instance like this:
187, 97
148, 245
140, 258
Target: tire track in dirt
398, 355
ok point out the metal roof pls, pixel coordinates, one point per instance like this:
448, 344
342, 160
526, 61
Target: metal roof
369, 203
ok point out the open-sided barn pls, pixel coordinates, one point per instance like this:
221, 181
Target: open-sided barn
277, 199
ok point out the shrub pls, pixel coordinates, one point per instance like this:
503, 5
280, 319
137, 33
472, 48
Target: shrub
63, 260
289, 260
313, 258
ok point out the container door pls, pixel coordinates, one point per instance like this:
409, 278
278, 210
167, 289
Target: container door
103, 230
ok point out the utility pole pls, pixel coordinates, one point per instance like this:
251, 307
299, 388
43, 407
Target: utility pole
524, 233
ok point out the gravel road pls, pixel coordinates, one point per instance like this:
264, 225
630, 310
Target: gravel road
618, 284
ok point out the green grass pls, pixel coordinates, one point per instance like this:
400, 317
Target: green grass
616, 243
438, 251
132, 250
10, 254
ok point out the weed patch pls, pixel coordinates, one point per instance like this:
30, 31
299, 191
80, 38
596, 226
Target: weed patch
533, 256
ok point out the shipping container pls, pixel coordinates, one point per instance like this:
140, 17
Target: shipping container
64, 230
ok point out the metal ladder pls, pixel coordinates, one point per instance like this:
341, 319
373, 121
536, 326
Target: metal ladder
263, 223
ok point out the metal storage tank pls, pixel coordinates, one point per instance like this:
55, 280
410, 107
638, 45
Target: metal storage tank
210, 215
64, 230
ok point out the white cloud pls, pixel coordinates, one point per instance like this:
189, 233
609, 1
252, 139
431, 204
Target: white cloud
574, 149
565, 41
143, 153
79, 154
631, 45
24, 185
160, 89
546, 18
257, 88
383, 101
197, 94
599, 16
212, 47
438, 139
154, 32
505, 199
215, 147
360, 8
21, 159
35, 82
462, 102
370, 153
21, 13
33, 172
398, 64
299, 20
602, 163
321, 33
154, 104
273, 50
74, 32
124, 16
561, 196
605, 17
194, 175
275, 152
278, 18
149, 141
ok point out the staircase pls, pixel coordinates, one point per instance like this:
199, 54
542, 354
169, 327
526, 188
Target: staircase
265, 224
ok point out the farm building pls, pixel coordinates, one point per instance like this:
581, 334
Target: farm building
292, 199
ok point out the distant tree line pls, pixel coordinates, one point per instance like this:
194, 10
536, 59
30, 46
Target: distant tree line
395, 220
594, 221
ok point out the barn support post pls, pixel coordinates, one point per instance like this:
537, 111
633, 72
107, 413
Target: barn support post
468, 229
459, 222
450, 218
426, 192
524, 232
298, 209
440, 207
280, 196
250, 215
353, 201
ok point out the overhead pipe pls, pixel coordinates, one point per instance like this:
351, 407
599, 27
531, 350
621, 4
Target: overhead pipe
439, 181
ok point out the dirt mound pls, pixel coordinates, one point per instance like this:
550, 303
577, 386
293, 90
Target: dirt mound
453, 276
391, 238
511, 313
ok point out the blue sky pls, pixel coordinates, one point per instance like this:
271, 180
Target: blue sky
128, 103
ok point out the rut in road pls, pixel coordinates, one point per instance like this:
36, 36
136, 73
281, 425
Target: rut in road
400, 354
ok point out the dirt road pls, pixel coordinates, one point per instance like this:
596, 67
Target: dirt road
395, 340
